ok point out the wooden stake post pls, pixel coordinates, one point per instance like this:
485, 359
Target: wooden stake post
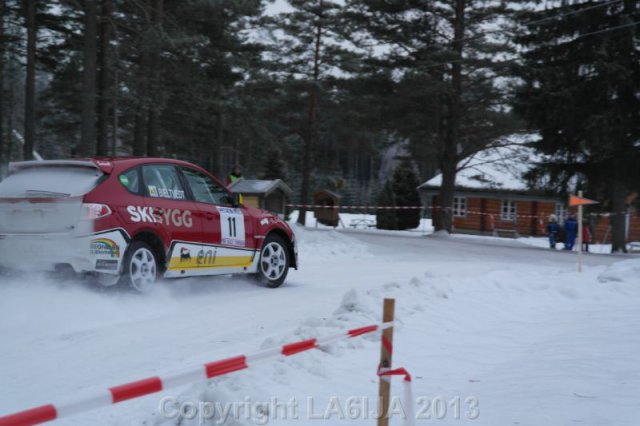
386, 351
579, 201
580, 234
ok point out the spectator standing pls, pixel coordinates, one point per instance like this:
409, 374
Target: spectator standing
552, 230
235, 175
571, 231
586, 237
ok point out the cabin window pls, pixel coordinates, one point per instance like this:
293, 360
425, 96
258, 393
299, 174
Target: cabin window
508, 210
459, 206
561, 212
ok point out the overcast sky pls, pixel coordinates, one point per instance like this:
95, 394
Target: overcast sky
278, 6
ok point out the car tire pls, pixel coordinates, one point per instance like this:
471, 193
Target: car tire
140, 268
274, 262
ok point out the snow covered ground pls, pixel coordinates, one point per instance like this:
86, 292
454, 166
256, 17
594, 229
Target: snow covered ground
495, 332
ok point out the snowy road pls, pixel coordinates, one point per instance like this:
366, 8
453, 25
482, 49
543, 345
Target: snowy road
459, 247
513, 326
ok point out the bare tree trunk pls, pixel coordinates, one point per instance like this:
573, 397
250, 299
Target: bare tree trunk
157, 15
216, 152
30, 82
618, 218
152, 133
88, 127
449, 154
104, 78
311, 124
306, 160
139, 142
2, 97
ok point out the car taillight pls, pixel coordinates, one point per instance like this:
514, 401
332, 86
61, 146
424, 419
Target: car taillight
93, 211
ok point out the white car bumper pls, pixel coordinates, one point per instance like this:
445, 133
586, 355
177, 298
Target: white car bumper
101, 252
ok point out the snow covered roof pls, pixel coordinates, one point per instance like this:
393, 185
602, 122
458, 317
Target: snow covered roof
499, 168
253, 186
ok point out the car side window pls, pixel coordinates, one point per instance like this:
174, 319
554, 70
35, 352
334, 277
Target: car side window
130, 180
206, 190
162, 181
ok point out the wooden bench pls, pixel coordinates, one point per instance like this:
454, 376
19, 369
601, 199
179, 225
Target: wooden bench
362, 223
506, 233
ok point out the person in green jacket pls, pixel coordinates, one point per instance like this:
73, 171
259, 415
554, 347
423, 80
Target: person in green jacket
235, 175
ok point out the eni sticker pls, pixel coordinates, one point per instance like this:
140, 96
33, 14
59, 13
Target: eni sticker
231, 226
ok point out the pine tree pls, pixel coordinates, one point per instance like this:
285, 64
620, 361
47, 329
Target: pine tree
405, 189
441, 69
401, 190
581, 73
274, 166
308, 56
386, 218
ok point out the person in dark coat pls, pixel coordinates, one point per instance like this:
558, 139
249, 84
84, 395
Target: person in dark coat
552, 231
571, 230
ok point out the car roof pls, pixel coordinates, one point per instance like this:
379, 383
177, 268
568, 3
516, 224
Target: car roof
106, 164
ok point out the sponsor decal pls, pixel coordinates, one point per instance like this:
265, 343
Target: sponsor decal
185, 254
108, 265
206, 257
167, 217
268, 220
232, 226
104, 247
153, 191
124, 180
174, 194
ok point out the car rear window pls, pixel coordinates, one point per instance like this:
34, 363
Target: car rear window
130, 180
53, 181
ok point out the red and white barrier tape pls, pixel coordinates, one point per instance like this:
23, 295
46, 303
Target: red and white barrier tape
155, 384
320, 206
476, 212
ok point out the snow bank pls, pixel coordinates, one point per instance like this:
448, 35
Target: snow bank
315, 245
626, 271
515, 329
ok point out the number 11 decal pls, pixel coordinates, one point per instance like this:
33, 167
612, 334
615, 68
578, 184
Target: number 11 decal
232, 226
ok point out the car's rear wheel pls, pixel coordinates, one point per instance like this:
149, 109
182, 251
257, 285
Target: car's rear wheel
140, 267
274, 262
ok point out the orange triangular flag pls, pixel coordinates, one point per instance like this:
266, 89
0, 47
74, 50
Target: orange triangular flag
577, 201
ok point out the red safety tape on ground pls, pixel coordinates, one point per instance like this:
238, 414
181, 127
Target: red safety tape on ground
396, 372
407, 398
151, 385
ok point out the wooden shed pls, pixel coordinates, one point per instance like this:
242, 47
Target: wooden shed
326, 215
271, 195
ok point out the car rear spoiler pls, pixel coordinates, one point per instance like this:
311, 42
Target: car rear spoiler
101, 165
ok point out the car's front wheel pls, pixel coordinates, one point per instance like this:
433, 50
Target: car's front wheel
274, 262
140, 267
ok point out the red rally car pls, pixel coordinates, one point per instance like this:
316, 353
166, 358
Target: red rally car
134, 220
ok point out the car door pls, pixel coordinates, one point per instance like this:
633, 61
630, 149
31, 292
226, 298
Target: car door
227, 231
176, 218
